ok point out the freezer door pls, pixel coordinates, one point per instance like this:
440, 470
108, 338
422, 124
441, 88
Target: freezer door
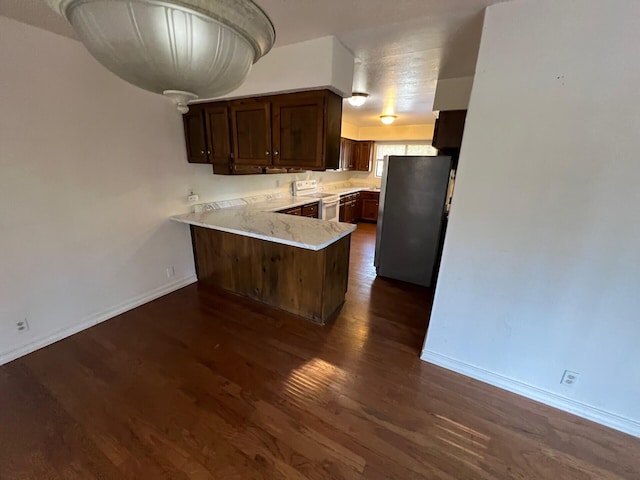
412, 206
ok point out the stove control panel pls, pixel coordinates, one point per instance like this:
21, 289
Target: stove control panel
305, 186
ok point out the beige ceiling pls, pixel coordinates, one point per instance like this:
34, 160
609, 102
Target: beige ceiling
401, 47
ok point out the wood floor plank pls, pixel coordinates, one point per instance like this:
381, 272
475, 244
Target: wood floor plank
202, 384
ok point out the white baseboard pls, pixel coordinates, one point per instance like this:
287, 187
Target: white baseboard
96, 318
580, 409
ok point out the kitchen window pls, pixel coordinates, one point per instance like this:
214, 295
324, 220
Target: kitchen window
394, 148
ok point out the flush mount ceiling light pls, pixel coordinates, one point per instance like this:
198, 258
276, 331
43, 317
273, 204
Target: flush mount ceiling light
388, 119
184, 49
358, 99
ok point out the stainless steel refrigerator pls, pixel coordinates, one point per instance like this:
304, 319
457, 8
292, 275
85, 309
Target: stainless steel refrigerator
411, 217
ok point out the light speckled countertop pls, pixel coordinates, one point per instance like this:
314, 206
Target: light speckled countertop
275, 205
256, 219
302, 232
349, 190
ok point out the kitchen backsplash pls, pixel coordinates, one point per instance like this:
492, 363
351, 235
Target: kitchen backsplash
220, 188
265, 197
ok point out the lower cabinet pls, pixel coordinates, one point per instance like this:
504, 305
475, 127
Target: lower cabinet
349, 208
308, 283
369, 210
353, 207
370, 204
292, 211
310, 210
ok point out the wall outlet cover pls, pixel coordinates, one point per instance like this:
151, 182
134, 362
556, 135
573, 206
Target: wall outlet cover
22, 326
569, 378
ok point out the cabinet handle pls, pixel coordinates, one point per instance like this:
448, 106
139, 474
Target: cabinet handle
267, 154
208, 152
276, 153
201, 152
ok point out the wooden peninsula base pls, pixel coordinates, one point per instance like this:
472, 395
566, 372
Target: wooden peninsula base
309, 283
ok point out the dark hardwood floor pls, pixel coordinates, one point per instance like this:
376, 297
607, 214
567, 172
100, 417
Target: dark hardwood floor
200, 384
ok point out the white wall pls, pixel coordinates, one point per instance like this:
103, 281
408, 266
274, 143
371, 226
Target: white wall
388, 133
397, 133
453, 93
319, 63
349, 130
90, 170
541, 267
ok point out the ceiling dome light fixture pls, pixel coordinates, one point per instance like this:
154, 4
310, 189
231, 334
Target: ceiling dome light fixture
183, 49
388, 119
358, 99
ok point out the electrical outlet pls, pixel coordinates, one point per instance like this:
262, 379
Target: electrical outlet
22, 326
170, 271
193, 197
569, 378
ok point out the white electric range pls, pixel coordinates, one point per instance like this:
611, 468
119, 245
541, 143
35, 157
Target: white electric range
329, 202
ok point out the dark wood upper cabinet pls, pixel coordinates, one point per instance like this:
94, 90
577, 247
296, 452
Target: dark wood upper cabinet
195, 135
363, 159
251, 130
207, 136
355, 155
449, 129
298, 131
293, 132
332, 130
345, 152
354, 151
306, 130
218, 134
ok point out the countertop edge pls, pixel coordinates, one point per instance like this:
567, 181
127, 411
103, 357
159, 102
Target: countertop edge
349, 191
258, 236
293, 204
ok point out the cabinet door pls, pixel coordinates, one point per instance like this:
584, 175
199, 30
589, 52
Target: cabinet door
353, 155
343, 212
345, 153
363, 160
195, 135
251, 130
312, 210
358, 208
292, 211
370, 209
449, 129
297, 131
216, 119
352, 212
